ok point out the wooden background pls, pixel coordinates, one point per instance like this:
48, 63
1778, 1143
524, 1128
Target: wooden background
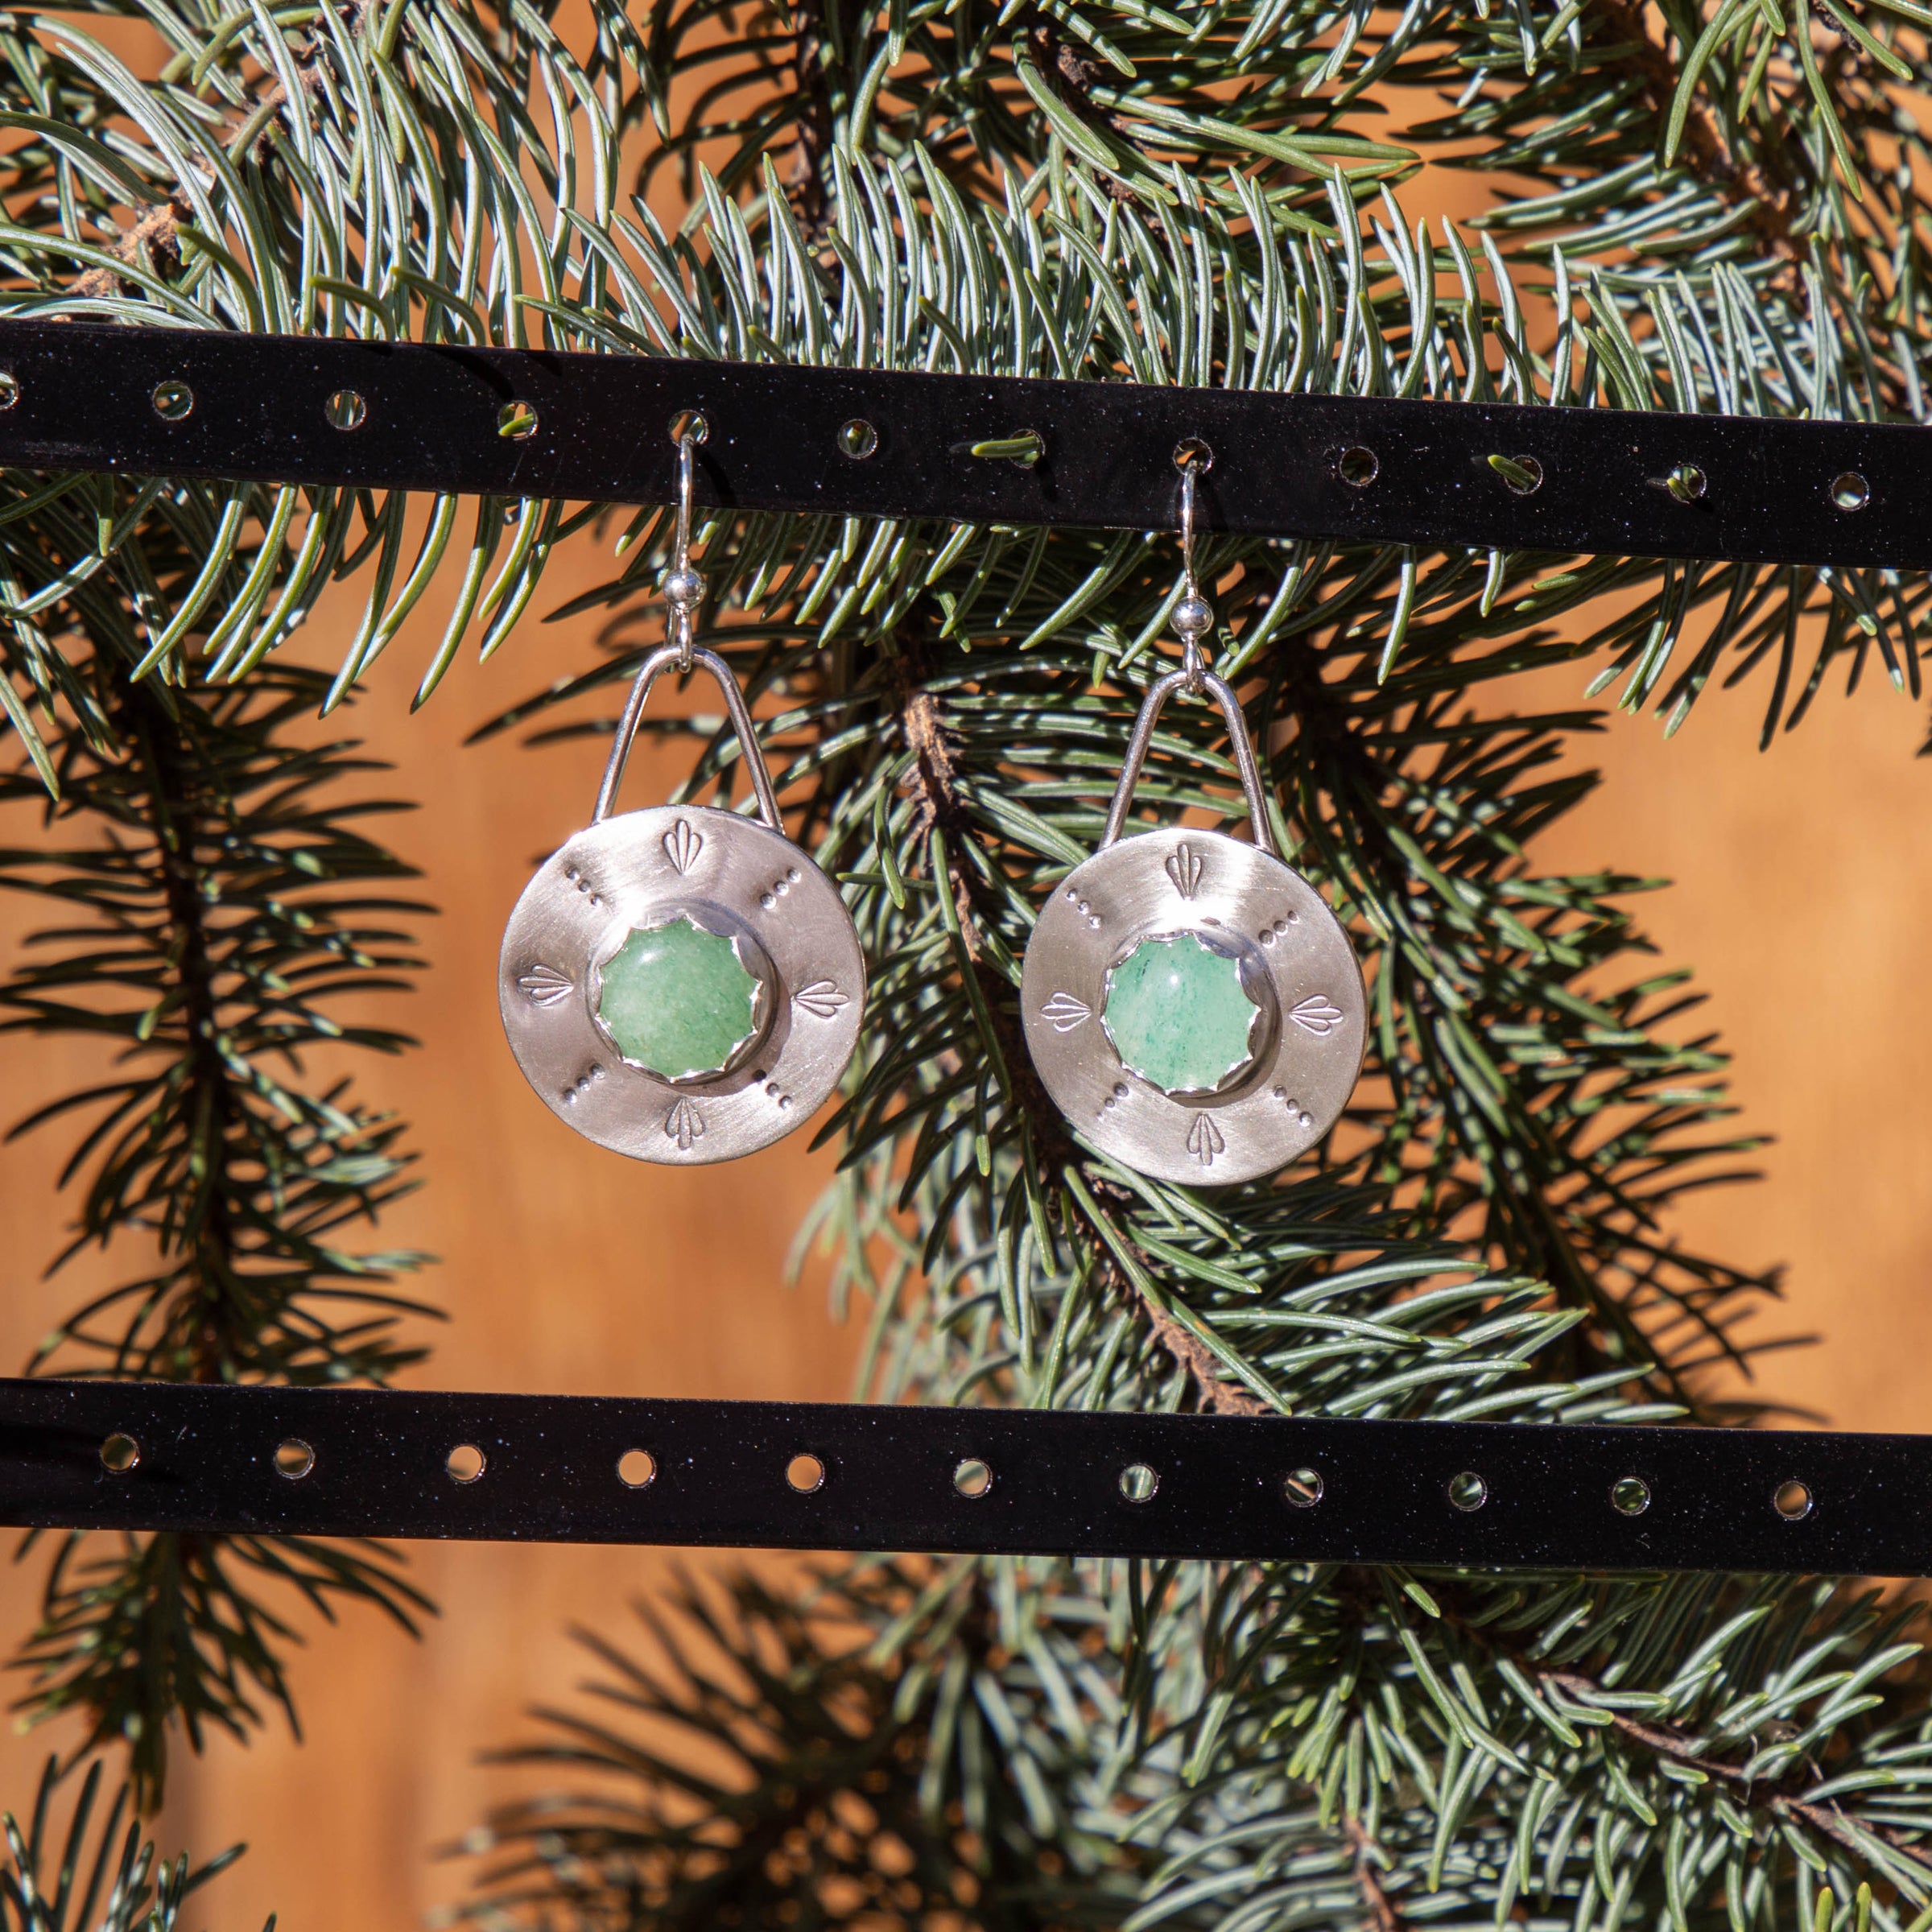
567, 1269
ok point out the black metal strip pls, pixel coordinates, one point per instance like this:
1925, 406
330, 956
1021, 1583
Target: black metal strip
375, 1463
1842, 493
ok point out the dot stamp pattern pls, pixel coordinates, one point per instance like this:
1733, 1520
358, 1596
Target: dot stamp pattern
582, 1084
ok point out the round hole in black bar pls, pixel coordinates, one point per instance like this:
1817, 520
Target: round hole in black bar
1468, 1491
1358, 467
1138, 1483
689, 423
973, 1477
119, 1454
1301, 1488
637, 1468
1850, 490
10, 389
805, 1473
1524, 477
172, 400
1191, 453
1792, 1500
1687, 483
858, 439
517, 422
1630, 1495
294, 1458
345, 410
466, 1462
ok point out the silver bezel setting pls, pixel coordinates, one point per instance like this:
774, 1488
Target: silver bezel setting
1295, 954
734, 876
745, 946
1264, 1027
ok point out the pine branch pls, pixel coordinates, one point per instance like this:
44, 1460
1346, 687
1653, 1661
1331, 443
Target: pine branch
1202, 199
215, 899
1664, 1741
1368, 1858
1215, 1392
832, 1784
51, 1884
1744, 178
815, 129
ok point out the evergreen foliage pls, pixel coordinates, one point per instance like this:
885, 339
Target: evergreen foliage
214, 900
1698, 209
119, 1888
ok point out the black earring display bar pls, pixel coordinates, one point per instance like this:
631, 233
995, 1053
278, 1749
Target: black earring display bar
150, 1456
531, 423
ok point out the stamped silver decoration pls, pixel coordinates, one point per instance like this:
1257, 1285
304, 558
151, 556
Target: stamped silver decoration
681, 984
1192, 1004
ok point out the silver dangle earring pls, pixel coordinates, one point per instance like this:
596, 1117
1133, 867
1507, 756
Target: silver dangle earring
1192, 1004
681, 984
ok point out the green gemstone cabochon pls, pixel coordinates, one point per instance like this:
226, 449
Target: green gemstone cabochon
1177, 1014
677, 999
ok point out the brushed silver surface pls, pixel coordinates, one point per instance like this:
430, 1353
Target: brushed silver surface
734, 876
1295, 961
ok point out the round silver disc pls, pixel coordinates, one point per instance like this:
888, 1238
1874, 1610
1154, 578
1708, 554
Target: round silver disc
1194, 1007
628, 957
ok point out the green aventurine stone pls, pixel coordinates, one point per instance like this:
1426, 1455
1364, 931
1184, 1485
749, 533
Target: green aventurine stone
677, 999
1176, 1013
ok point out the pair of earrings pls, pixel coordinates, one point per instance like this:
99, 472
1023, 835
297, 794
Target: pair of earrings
683, 984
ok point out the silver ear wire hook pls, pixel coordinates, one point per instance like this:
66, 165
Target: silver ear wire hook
683, 592
1193, 619
1194, 615
684, 587
1245, 765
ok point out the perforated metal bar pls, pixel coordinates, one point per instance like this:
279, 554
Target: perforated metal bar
1378, 470
151, 1455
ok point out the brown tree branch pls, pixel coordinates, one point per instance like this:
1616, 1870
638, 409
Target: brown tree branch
1703, 148
932, 783
149, 244
1785, 1799
1382, 1916
1666, 1740
1072, 74
814, 132
1216, 1394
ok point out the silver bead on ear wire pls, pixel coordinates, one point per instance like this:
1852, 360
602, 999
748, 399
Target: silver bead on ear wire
684, 587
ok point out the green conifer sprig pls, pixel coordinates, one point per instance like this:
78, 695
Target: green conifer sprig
93, 1879
857, 1785
214, 898
1684, 1748
231, 208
